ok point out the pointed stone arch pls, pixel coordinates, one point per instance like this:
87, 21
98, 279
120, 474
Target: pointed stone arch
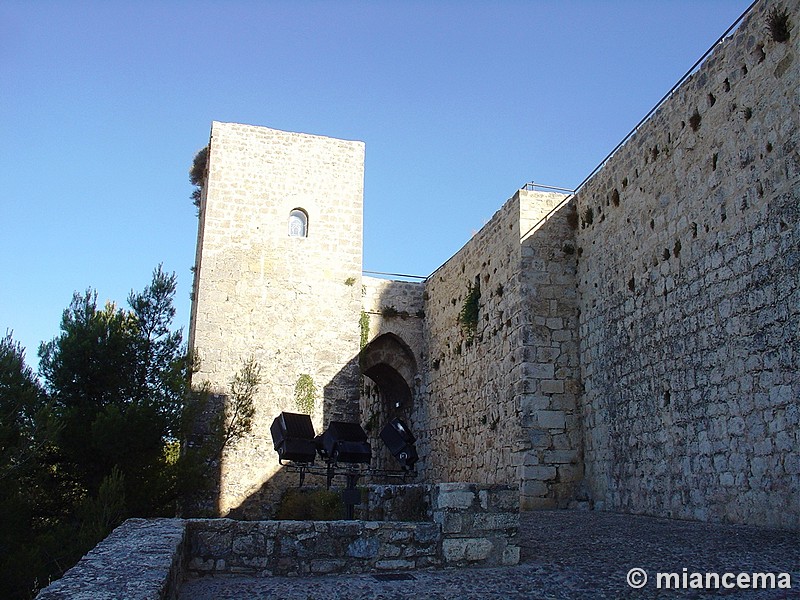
390, 364
388, 357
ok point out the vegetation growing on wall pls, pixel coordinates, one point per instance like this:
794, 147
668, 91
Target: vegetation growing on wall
240, 409
197, 174
778, 25
305, 394
468, 317
363, 324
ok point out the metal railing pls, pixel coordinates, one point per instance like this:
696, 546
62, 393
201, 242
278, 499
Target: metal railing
532, 186
421, 277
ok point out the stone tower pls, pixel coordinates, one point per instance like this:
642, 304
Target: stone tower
278, 279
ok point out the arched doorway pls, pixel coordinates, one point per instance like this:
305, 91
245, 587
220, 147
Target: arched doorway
389, 370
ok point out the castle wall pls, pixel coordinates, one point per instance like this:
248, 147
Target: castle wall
481, 386
395, 307
689, 248
548, 392
292, 303
395, 310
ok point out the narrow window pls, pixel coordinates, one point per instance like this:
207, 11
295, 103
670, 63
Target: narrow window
298, 223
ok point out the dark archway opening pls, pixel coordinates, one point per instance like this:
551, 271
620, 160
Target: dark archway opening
389, 370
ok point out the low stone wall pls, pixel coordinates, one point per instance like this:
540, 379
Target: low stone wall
266, 548
140, 559
479, 523
464, 524
472, 525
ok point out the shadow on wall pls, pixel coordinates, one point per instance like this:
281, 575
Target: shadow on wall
548, 399
385, 374
389, 370
530, 353
337, 405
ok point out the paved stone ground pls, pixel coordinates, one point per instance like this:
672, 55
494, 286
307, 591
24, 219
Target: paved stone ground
565, 554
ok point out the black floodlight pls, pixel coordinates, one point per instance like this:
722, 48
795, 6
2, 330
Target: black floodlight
401, 443
293, 438
344, 443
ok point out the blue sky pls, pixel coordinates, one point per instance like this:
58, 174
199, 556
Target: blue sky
104, 105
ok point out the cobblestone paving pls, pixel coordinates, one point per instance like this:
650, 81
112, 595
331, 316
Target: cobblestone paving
565, 554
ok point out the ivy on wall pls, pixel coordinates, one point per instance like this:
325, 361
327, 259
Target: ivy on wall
468, 317
305, 394
363, 323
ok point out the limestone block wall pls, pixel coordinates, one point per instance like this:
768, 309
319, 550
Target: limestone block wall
278, 548
291, 302
494, 404
473, 525
396, 307
469, 395
392, 332
547, 392
463, 524
689, 249
142, 558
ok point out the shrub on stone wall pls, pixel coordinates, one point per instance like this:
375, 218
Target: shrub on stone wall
311, 504
468, 317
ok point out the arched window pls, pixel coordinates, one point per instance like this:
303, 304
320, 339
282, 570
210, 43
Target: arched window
298, 223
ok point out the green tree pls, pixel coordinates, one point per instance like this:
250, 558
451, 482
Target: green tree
27, 484
118, 379
26, 425
99, 440
197, 174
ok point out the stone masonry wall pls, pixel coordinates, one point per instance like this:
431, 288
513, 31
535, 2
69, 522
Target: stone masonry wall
395, 307
470, 418
466, 525
473, 525
689, 247
547, 394
140, 559
394, 310
292, 303
496, 400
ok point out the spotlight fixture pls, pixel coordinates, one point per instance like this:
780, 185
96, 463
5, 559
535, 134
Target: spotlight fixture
344, 443
293, 438
401, 443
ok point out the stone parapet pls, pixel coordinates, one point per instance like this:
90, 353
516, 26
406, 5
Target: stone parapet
464, 524
140, 559
265, 548
479, 523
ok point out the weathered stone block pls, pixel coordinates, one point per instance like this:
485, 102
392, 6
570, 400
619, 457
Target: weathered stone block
325, 566
395, 565
539, 473
492, 521
364, 548
458, 550
551, 419
426, 533
510, 555
450, 522
458, 498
